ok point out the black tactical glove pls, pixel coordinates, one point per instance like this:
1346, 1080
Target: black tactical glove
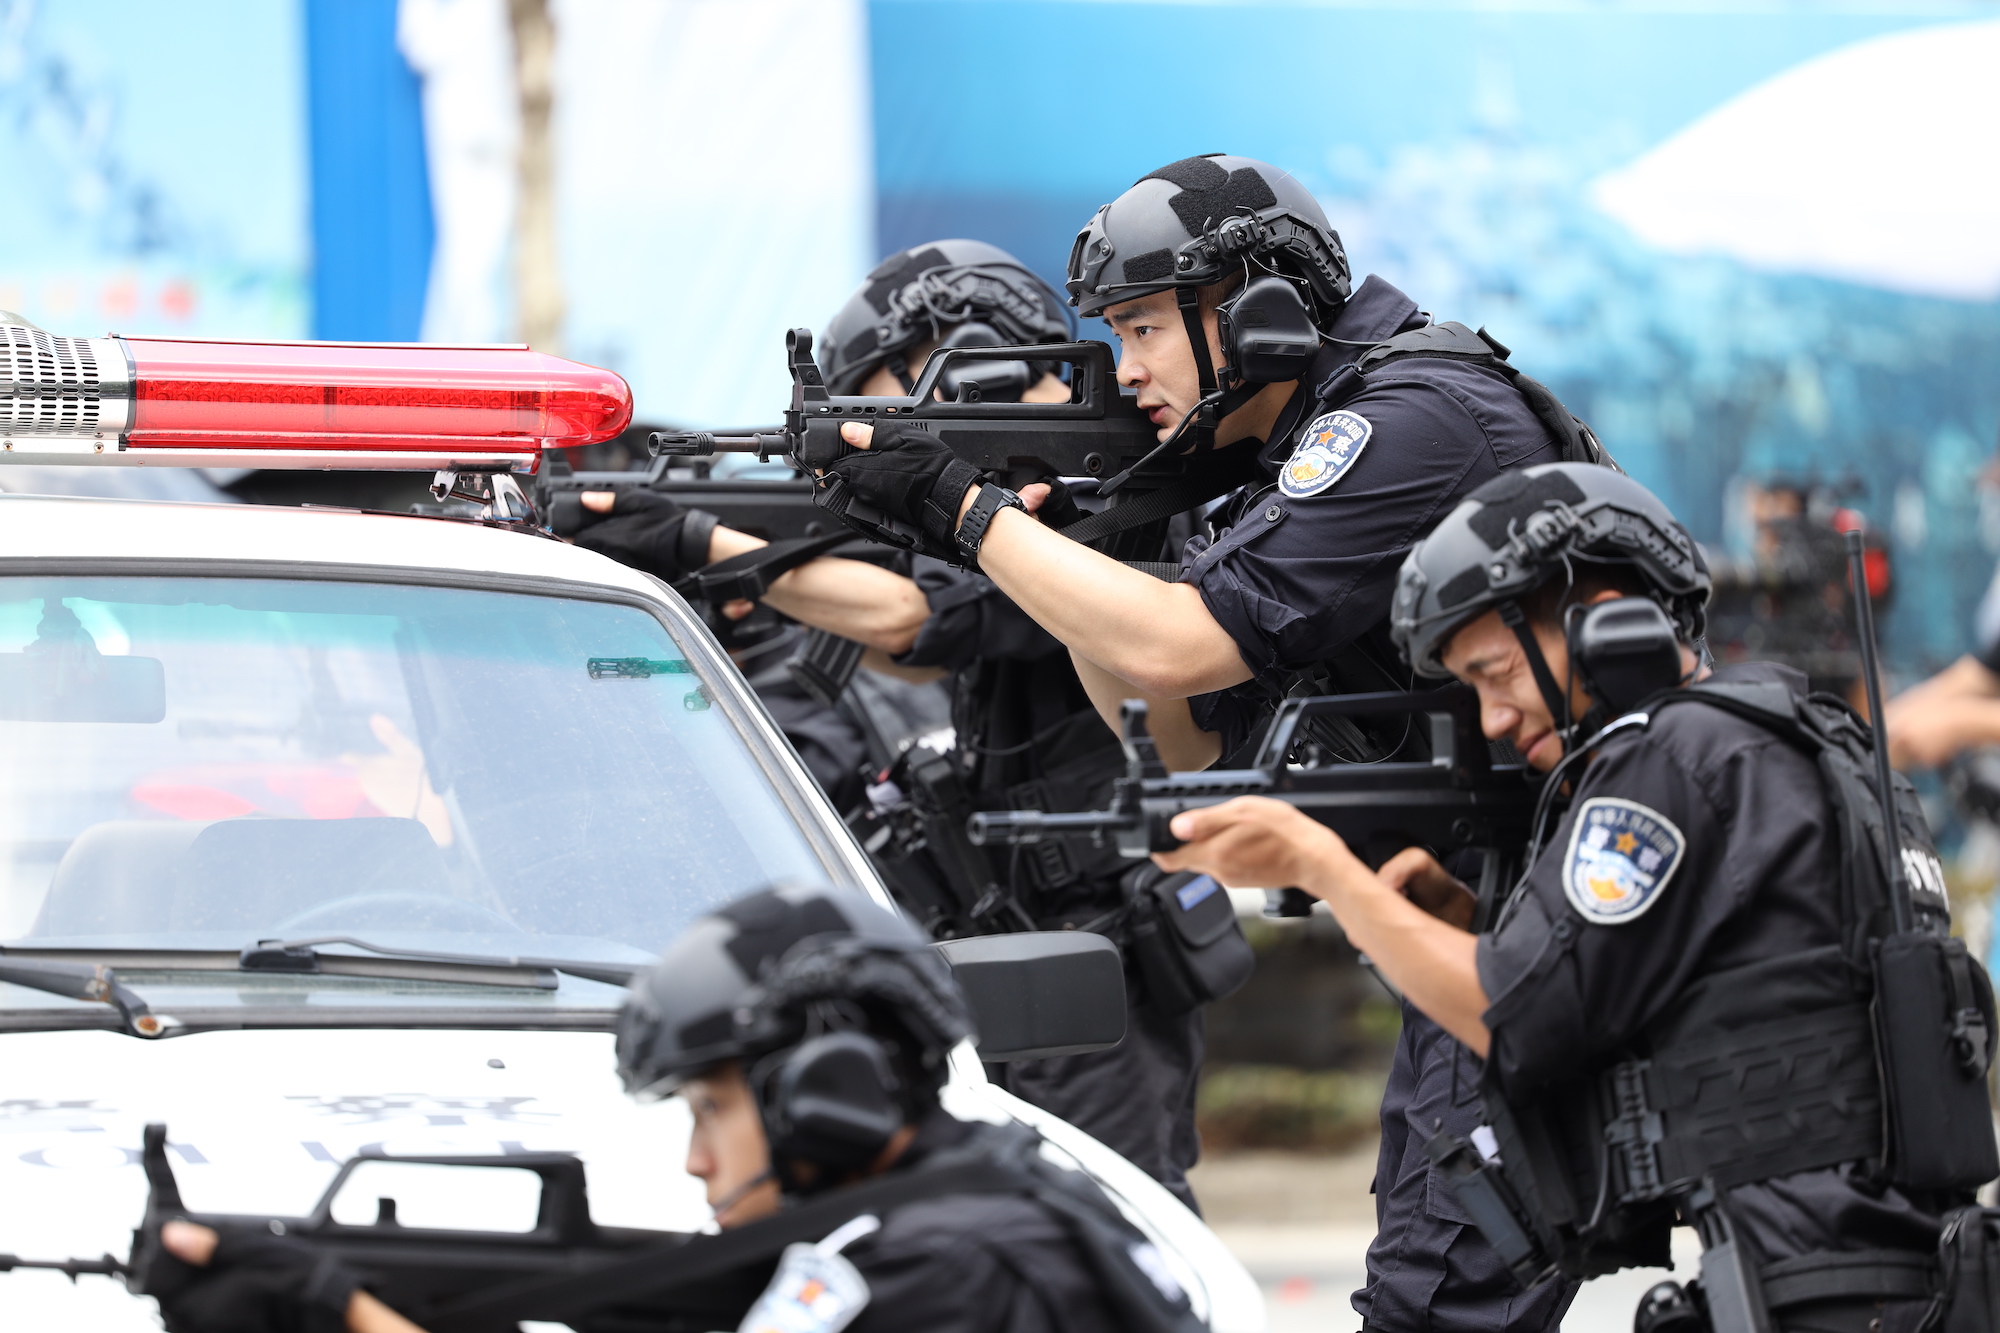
259, 1283
904, 489
1060, 510
648, 531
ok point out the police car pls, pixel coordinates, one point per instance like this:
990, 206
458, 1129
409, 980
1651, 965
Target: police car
369, 816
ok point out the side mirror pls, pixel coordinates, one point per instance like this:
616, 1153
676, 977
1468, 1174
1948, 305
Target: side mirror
1041, 993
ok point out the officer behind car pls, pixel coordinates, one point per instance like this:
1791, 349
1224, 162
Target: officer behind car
1353, 425
1027, 734
809, 1031
1684, 971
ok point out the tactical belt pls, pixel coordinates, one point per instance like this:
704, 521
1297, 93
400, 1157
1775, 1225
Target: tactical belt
1834, 1275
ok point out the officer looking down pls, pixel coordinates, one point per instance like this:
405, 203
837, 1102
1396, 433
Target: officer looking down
1683, 978
1026, 731
1349, 424
809, 1032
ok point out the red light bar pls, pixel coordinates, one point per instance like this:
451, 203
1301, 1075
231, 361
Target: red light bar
191, 402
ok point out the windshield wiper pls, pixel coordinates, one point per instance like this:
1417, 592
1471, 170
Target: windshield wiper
304, 956
84, 981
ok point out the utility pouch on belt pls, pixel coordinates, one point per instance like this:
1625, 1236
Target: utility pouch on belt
1185, 939
1969, 1260
1934, 1029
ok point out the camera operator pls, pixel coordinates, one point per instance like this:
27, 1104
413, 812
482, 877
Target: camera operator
1957, 709
1355, 443
809, 1031
1026, 731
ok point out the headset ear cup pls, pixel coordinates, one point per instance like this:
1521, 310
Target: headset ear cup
1267, 334
1623, 651
833, 1102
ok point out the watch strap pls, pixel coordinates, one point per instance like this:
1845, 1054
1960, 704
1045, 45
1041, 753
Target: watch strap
992, 498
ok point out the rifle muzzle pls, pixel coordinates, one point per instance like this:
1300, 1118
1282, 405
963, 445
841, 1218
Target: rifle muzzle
1012, 827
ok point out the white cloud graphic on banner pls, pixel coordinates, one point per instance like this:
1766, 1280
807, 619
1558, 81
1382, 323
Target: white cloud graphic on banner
1877, 164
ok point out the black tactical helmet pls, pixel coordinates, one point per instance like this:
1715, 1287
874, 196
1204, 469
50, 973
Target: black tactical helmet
1193, 222
1530, 525
929, 292
763, 974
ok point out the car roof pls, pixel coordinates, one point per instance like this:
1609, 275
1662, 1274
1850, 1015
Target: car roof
87, 528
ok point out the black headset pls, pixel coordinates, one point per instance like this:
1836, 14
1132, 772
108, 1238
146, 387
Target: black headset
1267, 334
833, 1100
1624, 651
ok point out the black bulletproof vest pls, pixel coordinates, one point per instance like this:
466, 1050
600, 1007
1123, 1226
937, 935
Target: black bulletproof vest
1761, 1071
1034, 741
1371, 662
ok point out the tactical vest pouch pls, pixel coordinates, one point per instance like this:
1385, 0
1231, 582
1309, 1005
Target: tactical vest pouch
1969, 1260
1934, 1028
1793, 1094
1185, 939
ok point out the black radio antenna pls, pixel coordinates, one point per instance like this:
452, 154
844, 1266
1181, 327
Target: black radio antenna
1871, 675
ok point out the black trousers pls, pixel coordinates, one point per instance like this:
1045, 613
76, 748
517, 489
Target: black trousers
1429, 1269
1136, 1098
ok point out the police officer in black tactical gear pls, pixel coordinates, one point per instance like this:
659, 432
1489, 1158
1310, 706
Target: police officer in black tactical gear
1026, 731
809, 1031
1348, 424
1702, 1002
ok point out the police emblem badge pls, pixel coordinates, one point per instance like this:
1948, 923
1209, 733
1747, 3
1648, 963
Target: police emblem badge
1621, 855
1325, 452
816, 1289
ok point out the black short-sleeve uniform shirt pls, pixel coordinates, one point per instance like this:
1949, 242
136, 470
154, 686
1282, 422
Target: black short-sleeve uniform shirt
1695, 843
1295, 578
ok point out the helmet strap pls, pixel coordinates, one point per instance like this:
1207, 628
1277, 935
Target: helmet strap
1189, 301
899, 366
1514, 618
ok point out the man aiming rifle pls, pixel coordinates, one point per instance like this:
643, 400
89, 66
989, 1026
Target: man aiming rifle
1026, 732
1359, 424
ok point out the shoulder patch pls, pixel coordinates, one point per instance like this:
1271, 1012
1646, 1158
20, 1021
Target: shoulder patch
1327, 448
816, 1290
1621, 855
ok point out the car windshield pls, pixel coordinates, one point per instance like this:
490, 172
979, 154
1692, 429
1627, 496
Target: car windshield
201, 763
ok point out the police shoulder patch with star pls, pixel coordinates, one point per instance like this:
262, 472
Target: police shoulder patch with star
1621, 856
1325, 451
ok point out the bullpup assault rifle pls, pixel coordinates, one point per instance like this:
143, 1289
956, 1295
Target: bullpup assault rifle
1097, 433
779, 510
1458, 800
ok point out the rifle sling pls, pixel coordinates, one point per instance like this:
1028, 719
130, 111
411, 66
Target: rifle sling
1218, 475
657, 1269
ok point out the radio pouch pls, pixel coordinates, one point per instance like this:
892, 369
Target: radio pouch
1185, 939
1934, 1027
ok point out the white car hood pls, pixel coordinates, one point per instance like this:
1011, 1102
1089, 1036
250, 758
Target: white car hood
258, 1121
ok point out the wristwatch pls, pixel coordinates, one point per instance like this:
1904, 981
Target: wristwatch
991, 500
